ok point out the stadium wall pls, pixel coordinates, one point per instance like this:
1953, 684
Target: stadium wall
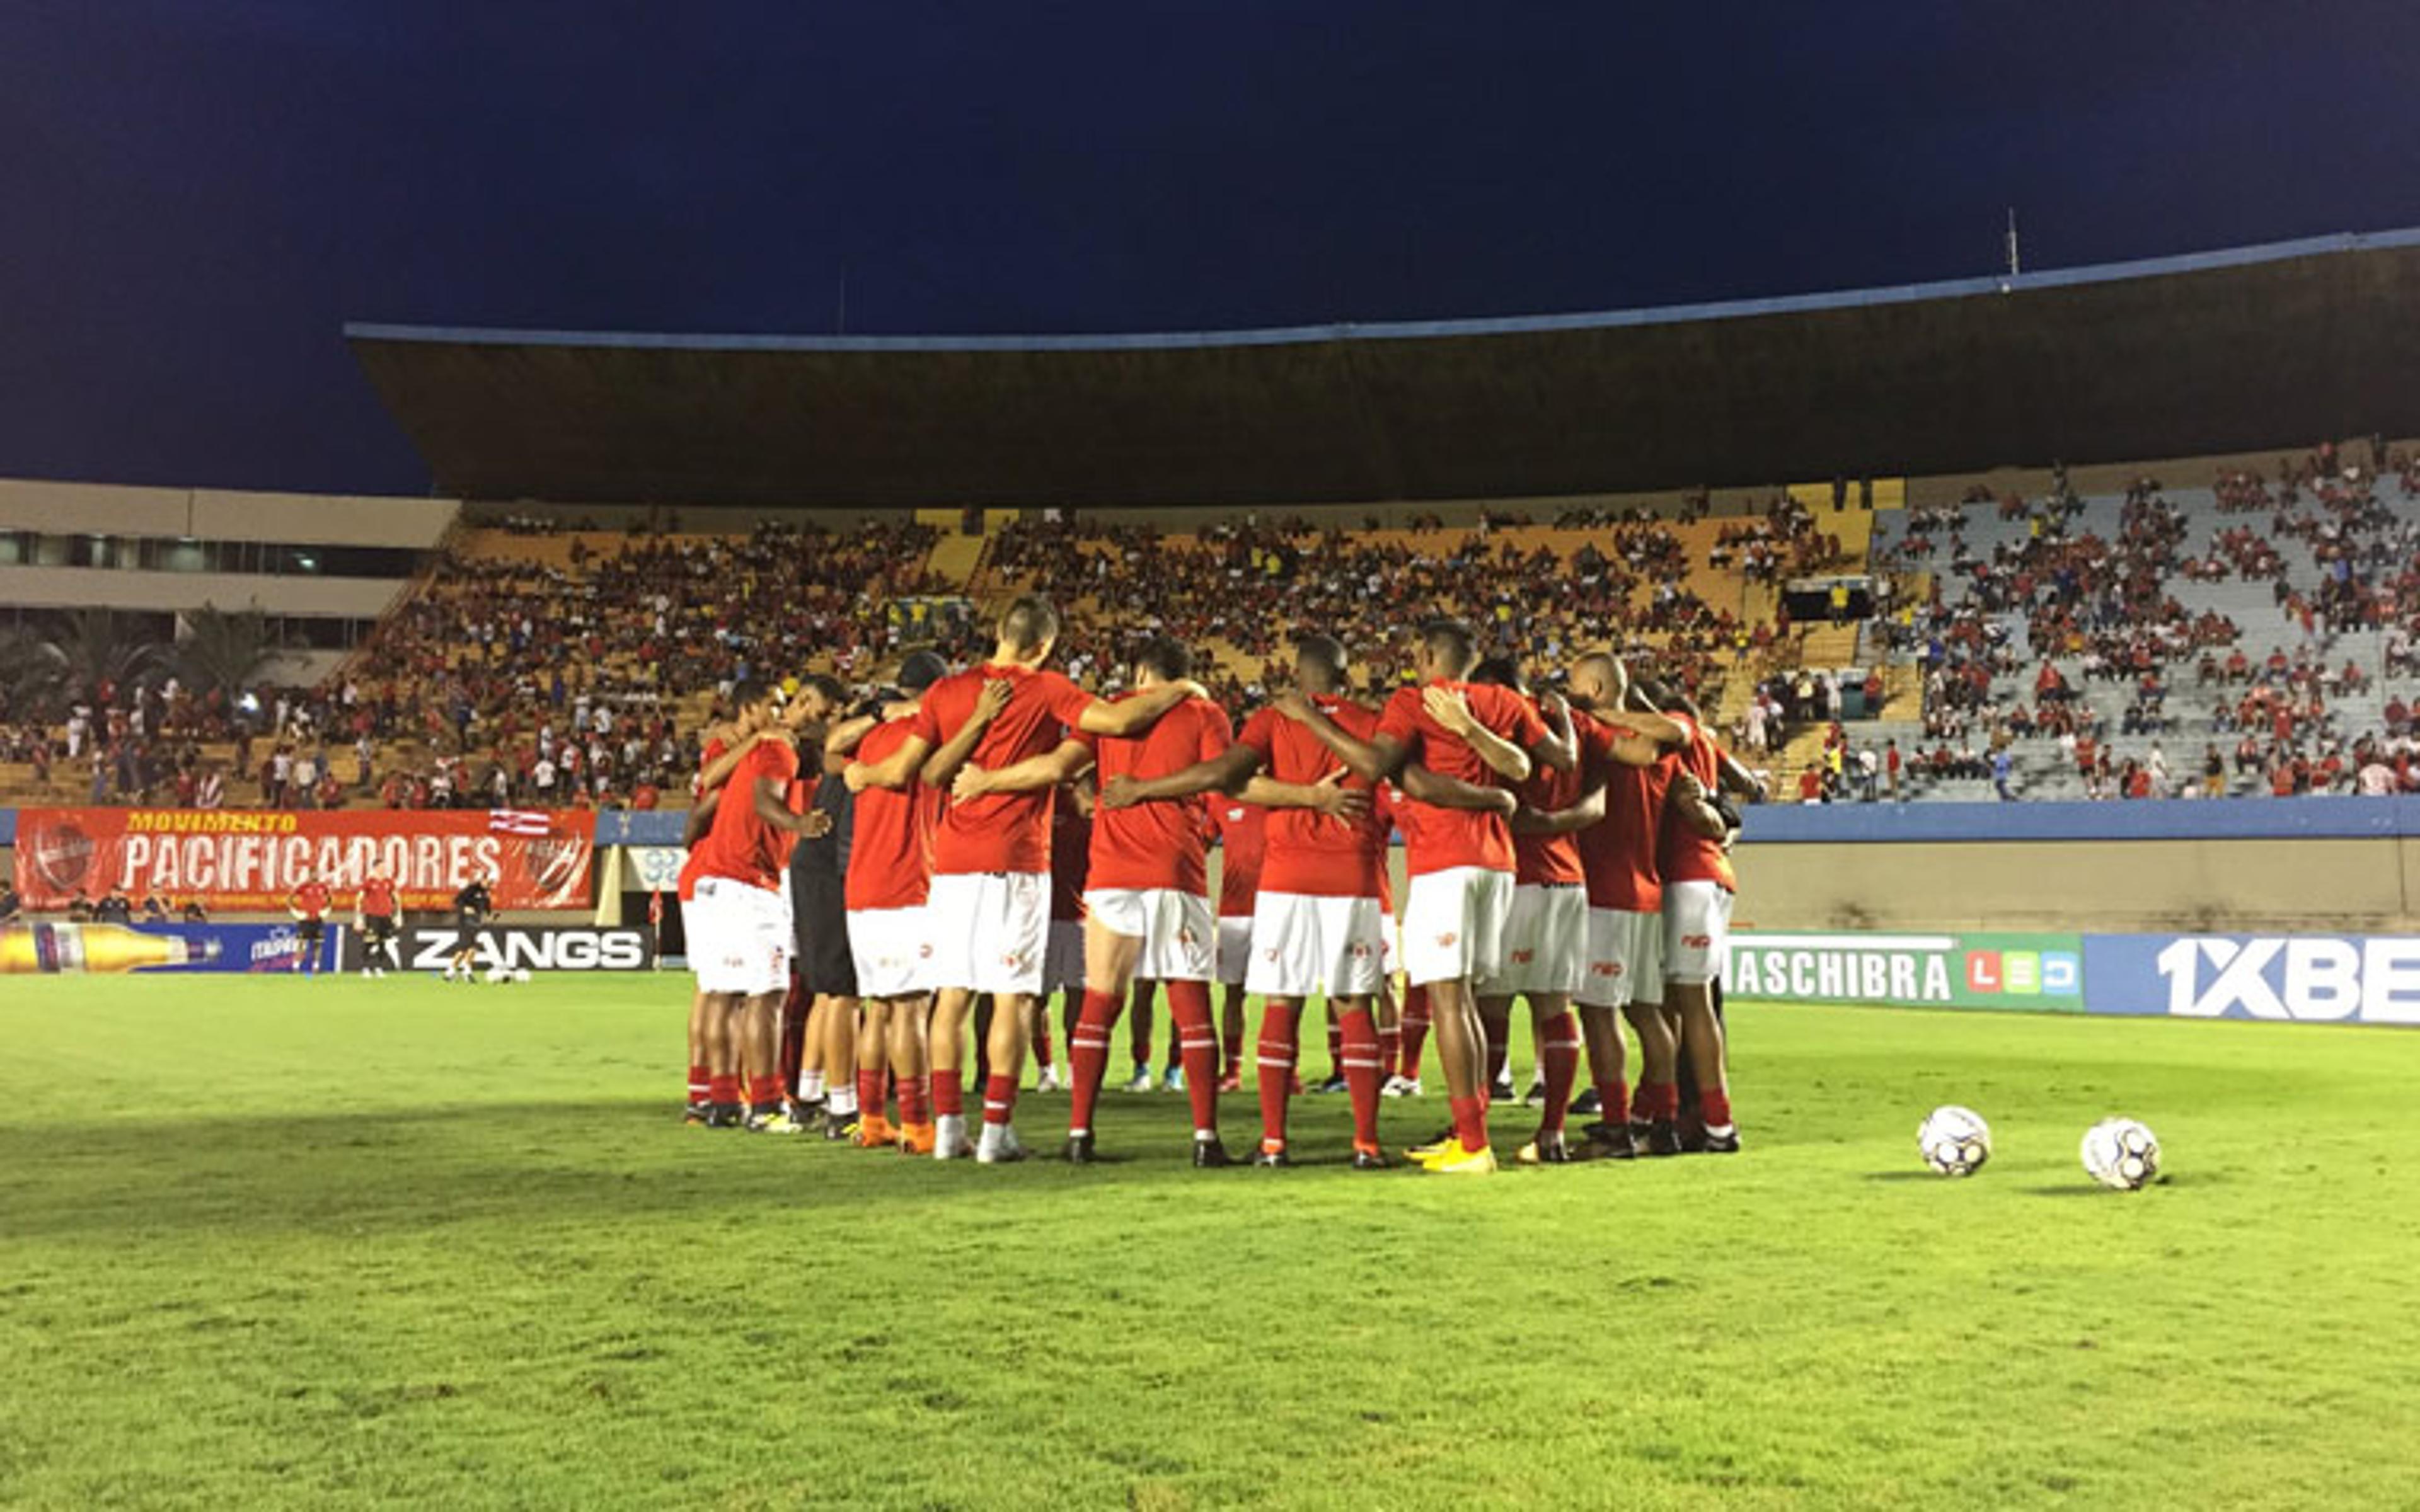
2258, 865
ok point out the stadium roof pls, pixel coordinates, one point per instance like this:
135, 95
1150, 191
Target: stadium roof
2218, 351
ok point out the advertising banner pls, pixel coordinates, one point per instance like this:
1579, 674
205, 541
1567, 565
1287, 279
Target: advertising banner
533, 947
2044, 972
2308, 977
654, 868
237, 861
115, 949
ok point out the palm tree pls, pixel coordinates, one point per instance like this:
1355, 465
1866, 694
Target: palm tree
223, 650
32, 677
95, 646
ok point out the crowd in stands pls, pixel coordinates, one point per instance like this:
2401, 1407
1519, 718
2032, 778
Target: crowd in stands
2107, 609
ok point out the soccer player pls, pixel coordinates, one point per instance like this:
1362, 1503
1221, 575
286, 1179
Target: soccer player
1698, 886
890, 930
827, 971
1063, 962
744, 909
991, 856
308, 903
1316, 923
473, 905
1545, 932
1627, 760
1242, 842
374, 914
1147, 911
726, 743
1461, 859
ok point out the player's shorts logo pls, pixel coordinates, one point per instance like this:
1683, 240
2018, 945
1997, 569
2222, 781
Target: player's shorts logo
1522, 958
1445, 941
923, 952
1697, 942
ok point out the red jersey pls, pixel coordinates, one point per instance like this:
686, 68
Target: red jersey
686, 883
1546, 860
1443, 839
310, 900
1617, 853
1682, 853
377, 898
1243, 840
740, 847
1071, 852
891, 849
1156, 845
1000, 831
1310, 853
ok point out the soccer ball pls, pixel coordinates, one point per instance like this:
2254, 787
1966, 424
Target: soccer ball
1955, 1141
498, 974
2121, 1153
520, 974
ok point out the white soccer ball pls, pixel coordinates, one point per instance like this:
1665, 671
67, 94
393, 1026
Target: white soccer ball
499, 974
520, 974
2121, 1153
1955, 1141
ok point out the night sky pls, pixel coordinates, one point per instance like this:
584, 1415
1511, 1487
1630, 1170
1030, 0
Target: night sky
194, 194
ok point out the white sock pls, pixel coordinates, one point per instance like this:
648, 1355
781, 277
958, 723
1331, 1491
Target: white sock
811, 1087
842, 1101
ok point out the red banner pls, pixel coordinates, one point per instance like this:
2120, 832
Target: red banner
245, 861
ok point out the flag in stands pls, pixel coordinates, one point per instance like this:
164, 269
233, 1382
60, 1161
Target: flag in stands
516, 822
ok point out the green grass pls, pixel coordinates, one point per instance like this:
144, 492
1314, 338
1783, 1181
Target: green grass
291, 1243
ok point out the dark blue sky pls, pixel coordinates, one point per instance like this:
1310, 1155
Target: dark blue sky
195, 194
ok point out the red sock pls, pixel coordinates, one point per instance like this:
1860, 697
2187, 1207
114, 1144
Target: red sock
700, 1084
869, 1093
1335, 1045
1088, 1057
1415, 1029
949, 1093
722, 1087
1391, 1049
1139, 1032
1470, 1121
1559, 1051
1714, 1106
1362, 1074
1614, 1096
1000, 1098
914, 1108
1657, 1101
764, 1092
1188, 1011
1279, 1028
1042, 1040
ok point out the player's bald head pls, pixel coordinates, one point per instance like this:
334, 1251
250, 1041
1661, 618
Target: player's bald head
1599, 681
1320, 664
1027, 626
1449, 646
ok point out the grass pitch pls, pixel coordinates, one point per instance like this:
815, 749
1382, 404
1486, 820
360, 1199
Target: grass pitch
277, 1243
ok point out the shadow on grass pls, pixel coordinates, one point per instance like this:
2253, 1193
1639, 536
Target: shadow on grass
425, 1168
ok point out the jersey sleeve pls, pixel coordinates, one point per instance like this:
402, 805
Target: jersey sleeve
1259, 733
1215, 732
1400, 721
1063, 698
1527, 727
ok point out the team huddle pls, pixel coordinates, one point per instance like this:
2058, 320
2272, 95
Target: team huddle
971, 842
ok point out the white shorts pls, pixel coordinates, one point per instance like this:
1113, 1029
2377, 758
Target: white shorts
893, 950
1235, 946
739, 938
990, 929
1063, 959
1302, 945
1625, 958
1178, 932
1697, 931
1453, 924
1545, 943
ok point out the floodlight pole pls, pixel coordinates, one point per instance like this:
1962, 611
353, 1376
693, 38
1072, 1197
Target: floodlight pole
2014, 267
